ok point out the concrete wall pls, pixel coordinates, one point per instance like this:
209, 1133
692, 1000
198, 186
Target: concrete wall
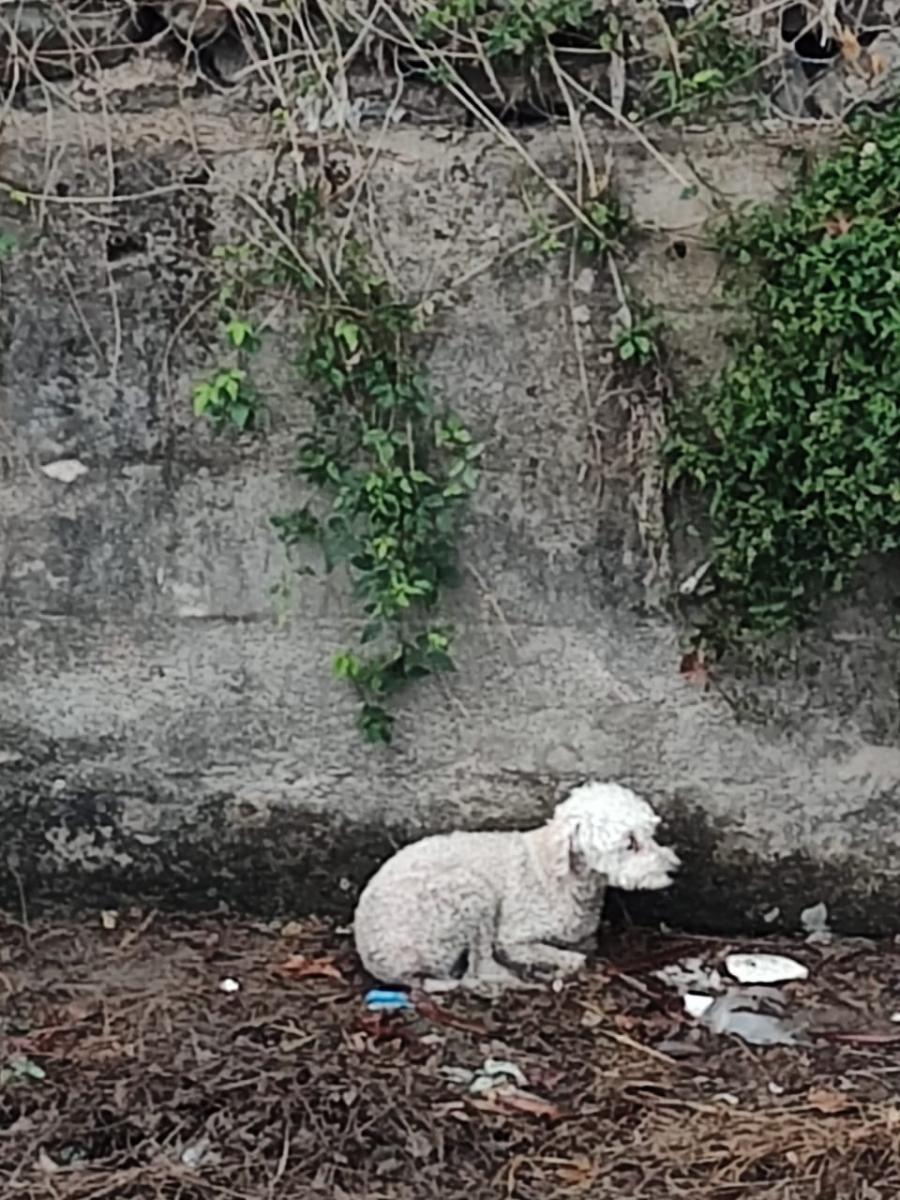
163, 737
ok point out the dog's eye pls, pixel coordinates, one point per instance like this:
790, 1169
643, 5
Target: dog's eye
633, 843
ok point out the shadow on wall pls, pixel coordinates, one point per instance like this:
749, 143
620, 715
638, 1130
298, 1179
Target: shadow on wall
77, 849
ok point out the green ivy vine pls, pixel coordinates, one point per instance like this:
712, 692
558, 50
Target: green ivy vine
796, 445
391, 468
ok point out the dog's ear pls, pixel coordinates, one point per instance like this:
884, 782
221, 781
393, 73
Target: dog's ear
566, 853
577, 860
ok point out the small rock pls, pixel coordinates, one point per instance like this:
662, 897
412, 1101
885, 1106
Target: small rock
291, 929
64, 470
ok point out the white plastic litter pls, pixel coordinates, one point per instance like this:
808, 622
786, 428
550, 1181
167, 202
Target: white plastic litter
199, 1154
696, 1005
735, 1013
229, 986
494, 1073
815, 923
764, 968
65, 470
500, 1067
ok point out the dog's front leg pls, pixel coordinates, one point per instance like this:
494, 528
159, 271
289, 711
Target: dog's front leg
541, 957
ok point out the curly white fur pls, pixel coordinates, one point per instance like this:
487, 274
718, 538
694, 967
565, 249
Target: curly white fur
488, 908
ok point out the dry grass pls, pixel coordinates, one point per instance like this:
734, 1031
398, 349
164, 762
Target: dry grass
158, 1085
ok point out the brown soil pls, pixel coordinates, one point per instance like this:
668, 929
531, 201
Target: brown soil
125, 1072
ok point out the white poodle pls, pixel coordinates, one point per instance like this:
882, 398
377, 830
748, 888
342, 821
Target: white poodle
488, 908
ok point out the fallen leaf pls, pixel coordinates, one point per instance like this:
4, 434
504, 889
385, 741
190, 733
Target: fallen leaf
577, 1173
516, 1100
298, 966
862, 1037
849, 43
826, 1100
427, 1008
292, 929
694, 668
385, 1027
546, 1077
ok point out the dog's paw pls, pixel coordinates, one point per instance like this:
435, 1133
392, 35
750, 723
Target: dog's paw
568, 962
561, 965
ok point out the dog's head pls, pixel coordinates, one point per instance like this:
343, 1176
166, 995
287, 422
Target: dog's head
605, 829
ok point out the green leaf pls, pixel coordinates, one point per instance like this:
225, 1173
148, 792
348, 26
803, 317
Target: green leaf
346, 666
348, 332
238, 332
202, 398
707, 75
240, 414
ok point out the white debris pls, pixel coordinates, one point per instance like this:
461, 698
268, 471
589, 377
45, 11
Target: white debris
696, 1005
495, 1067
494, 1073
735, 1013
691, 975
689, 586
815, 924
199, 1154
895, 1017
45, 1163
64, 470
317, 114
764, 968
229, 986
772, 915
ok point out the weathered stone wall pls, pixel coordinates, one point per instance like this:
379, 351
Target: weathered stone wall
165, 737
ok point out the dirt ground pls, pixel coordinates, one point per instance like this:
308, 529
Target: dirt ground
126, 1071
